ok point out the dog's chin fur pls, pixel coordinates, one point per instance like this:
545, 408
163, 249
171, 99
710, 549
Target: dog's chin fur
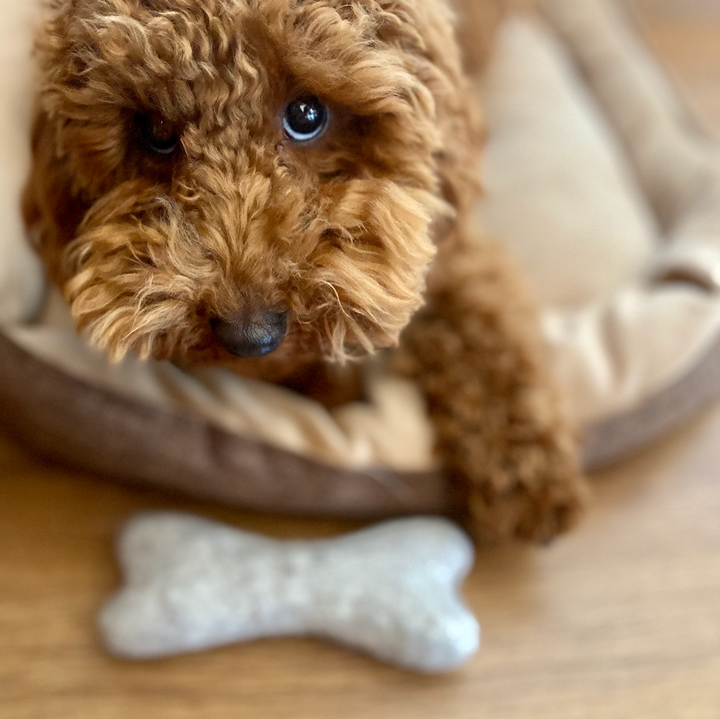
339, 232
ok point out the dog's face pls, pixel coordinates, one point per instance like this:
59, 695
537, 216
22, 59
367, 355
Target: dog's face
225, 179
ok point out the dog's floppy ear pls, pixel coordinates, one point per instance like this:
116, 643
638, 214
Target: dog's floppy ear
426, 30
475, 22
74, 138
51, 210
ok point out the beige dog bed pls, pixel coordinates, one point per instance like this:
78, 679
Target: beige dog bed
598, 181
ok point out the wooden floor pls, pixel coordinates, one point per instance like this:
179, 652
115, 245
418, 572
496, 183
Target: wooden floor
620, 620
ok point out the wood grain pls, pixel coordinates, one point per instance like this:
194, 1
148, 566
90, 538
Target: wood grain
621, 619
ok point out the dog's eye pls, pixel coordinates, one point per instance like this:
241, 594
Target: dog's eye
305, 118
158, 133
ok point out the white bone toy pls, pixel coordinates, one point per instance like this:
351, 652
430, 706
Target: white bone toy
390, 590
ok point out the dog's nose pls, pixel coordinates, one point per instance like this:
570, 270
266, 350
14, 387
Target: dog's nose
251, 334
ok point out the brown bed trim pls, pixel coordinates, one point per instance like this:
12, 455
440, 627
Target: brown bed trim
623, 435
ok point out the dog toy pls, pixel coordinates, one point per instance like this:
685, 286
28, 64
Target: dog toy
390, 590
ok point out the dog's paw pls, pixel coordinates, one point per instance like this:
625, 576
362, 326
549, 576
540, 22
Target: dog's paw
534, 491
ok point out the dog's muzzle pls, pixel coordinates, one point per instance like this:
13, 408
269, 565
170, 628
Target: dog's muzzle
251, 334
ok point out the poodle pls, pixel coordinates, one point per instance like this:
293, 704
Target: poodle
284, 187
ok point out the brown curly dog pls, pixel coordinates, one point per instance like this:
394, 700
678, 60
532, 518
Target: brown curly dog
282, 185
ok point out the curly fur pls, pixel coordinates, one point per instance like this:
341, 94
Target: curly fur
341, 233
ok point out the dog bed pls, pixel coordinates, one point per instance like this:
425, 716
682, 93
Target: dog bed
598, 180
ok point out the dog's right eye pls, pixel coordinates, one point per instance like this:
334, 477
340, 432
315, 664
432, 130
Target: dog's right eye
306, 118
158, 133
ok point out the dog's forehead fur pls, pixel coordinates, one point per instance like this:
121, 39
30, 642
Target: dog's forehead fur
225, 61
337, 231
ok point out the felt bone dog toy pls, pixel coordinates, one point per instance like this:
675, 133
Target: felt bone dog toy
391, 590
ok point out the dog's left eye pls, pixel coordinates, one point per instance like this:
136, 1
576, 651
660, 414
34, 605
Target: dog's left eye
305, 118
158, 133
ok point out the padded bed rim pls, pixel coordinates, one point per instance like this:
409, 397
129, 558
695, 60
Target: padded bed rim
68, 419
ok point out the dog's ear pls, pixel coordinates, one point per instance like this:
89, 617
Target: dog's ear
475, 24
425, 26
52, 210
426, 30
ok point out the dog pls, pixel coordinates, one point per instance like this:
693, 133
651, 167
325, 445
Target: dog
284, 187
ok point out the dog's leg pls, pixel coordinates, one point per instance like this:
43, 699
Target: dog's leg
501, 432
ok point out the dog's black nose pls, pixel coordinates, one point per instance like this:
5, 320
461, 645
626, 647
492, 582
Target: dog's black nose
251, 334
